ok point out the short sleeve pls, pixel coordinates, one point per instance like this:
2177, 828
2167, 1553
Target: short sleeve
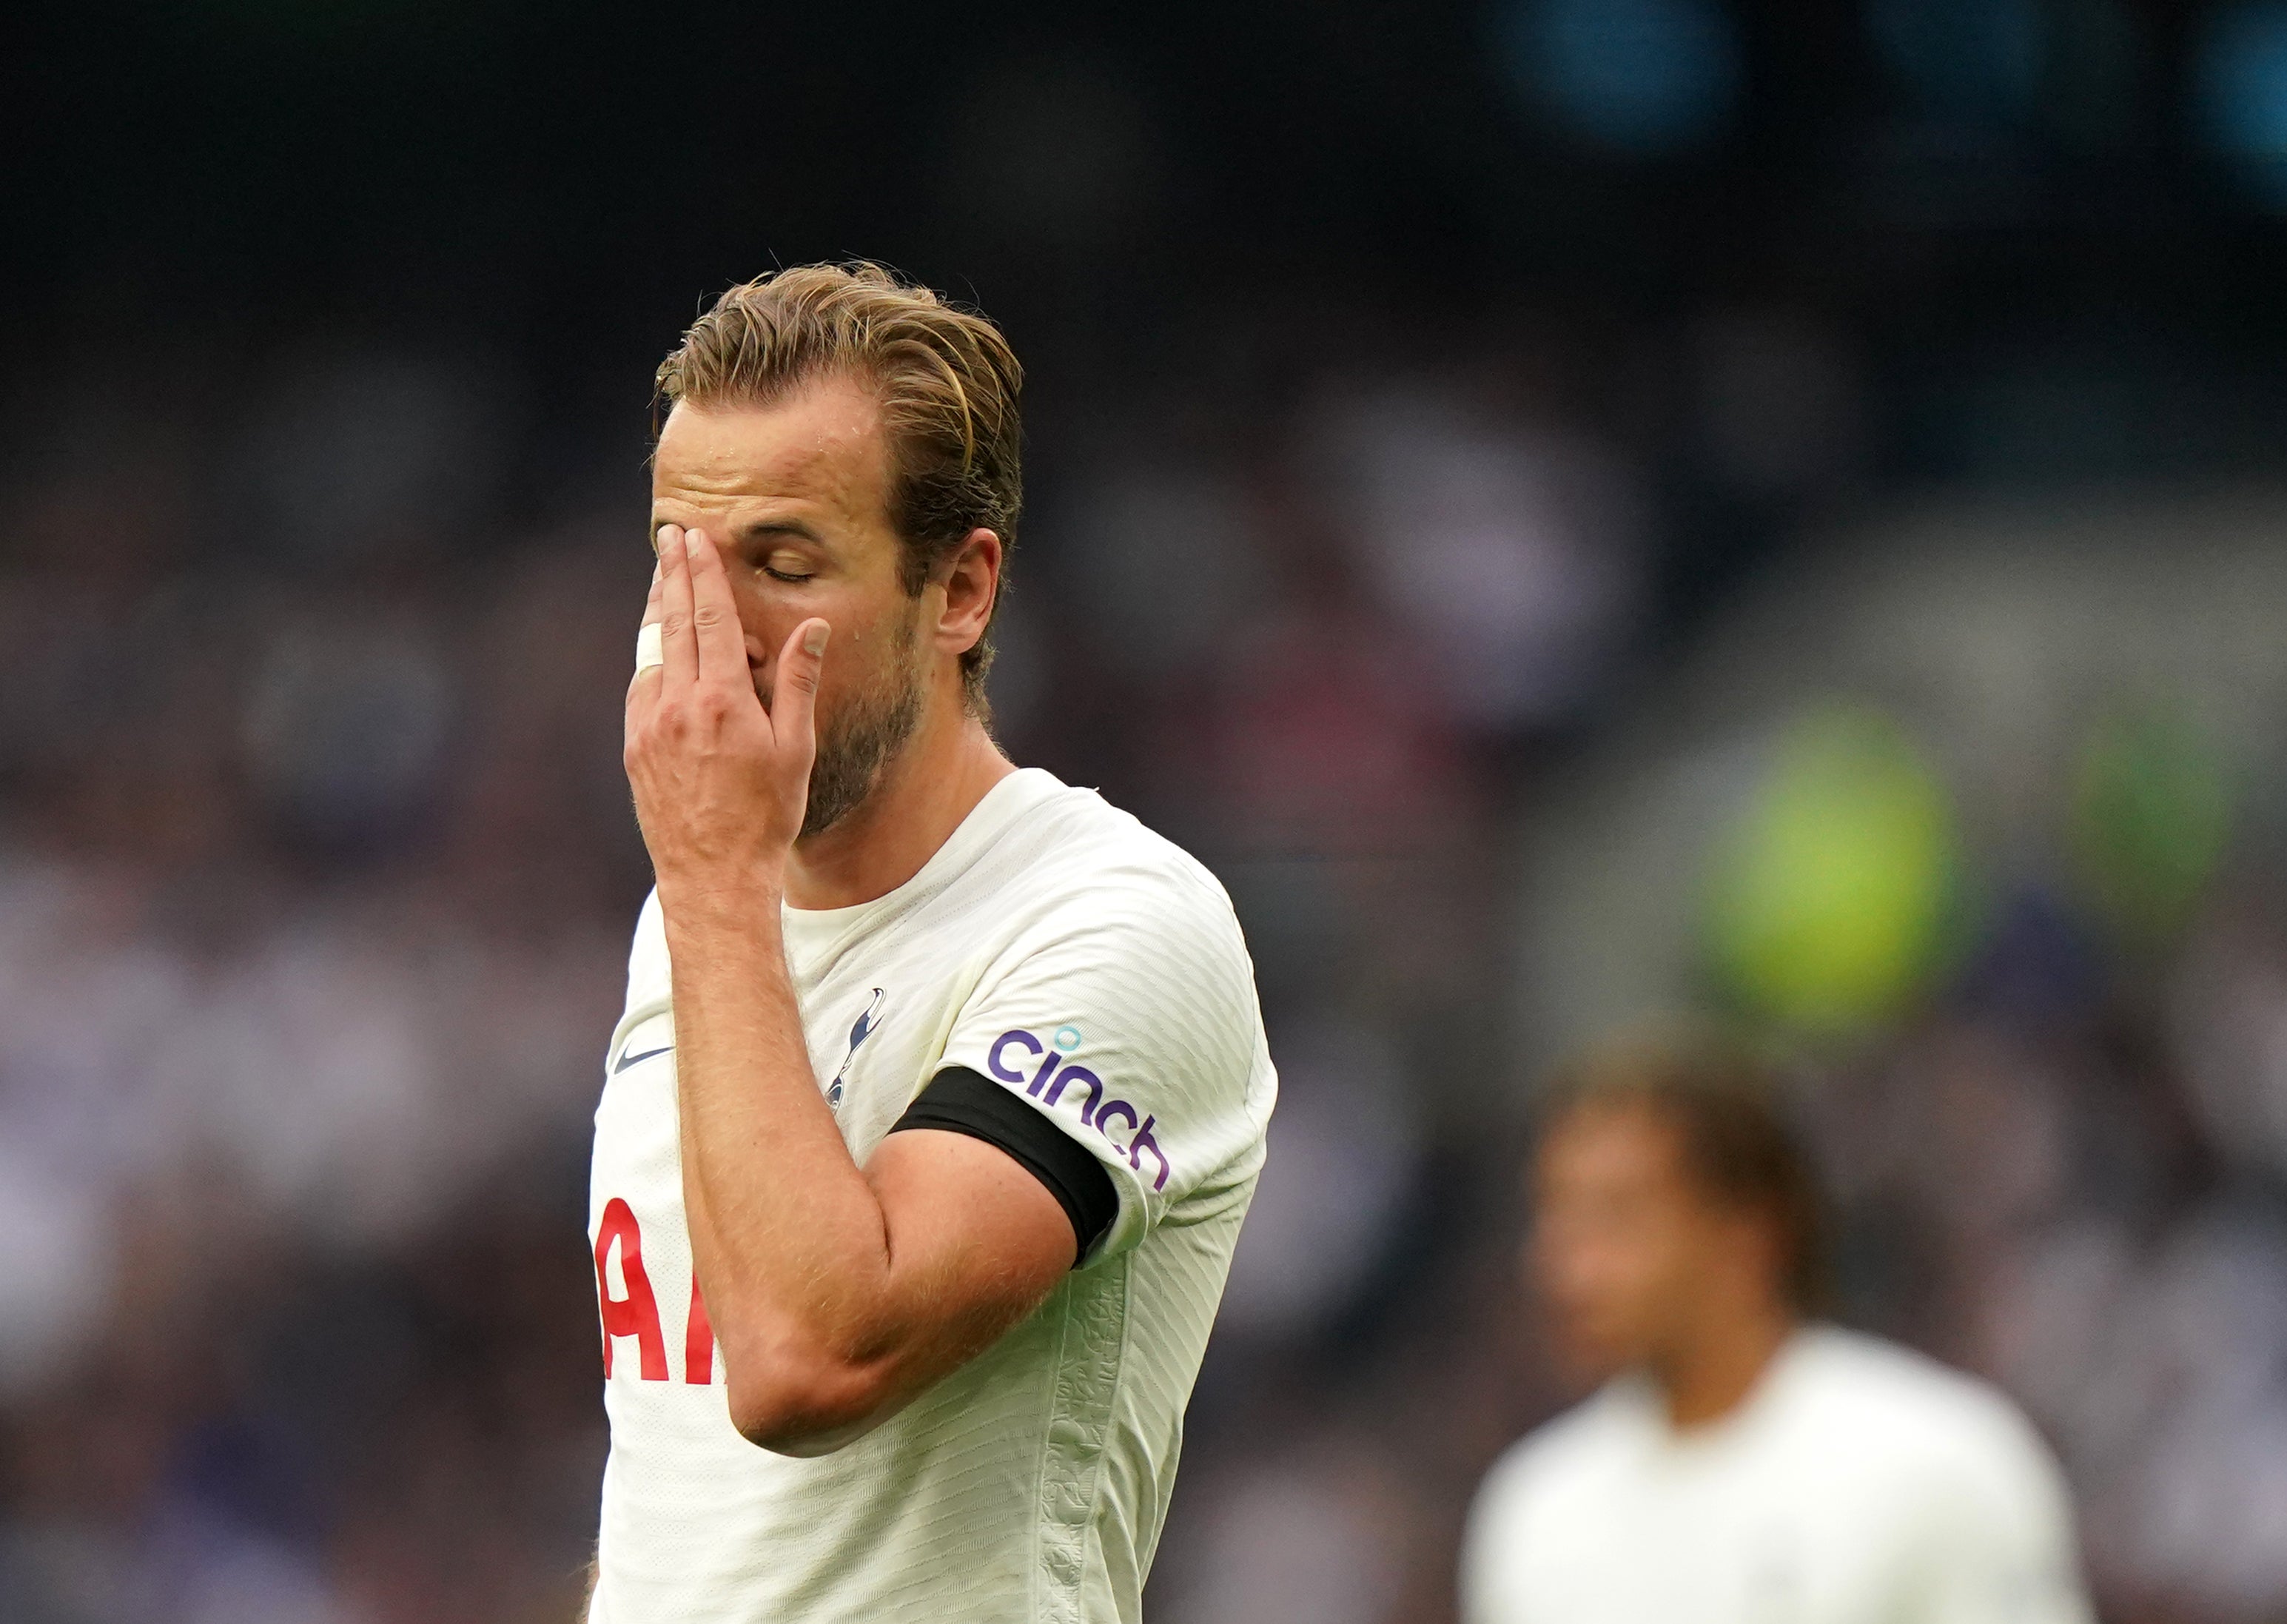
1491, 1540
1126, 1014
1996, 1541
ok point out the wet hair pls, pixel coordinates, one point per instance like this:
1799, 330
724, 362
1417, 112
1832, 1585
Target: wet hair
947, 382
1738, 1144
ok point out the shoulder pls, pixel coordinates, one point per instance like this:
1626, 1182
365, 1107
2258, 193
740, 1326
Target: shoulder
1953, 1476
1553, 1464
1074, 865
1936, 1429
1117, 950
1075, 841
647, 962
1900, 1390
1557, 1496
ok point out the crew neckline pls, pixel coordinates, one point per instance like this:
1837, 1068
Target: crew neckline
999, 807
1643, 1395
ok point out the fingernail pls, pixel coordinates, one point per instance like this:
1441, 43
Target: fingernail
813, 641
693, 540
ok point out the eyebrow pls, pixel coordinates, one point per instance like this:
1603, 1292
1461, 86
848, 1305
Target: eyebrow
794, 527
757, 530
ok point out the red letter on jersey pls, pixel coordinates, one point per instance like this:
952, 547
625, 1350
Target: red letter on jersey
698, 1341
637, 1314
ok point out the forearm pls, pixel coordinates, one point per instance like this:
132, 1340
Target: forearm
836, 1292
789, 1238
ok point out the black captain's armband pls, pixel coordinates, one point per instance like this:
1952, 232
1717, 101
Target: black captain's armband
958, 1100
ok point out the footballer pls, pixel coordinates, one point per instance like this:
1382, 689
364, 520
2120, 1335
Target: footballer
941, 1087
1743, 1463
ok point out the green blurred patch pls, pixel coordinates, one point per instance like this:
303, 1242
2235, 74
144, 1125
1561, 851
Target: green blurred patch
2152, 810
1834, 899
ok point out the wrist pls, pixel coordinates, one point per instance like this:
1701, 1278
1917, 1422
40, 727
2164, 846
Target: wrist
691, 907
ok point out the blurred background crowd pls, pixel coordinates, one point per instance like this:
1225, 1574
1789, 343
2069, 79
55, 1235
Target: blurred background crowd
1576, 510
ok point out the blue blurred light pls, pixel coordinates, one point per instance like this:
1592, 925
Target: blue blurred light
1650, 78
2240, 90
1974, 58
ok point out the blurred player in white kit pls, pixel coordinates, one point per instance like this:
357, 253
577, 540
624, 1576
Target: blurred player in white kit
941, 1088
1742, 1464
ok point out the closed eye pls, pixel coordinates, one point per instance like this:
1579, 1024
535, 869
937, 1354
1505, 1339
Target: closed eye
786, 576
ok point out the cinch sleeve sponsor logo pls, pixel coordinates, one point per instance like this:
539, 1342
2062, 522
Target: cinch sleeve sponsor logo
1021, 1059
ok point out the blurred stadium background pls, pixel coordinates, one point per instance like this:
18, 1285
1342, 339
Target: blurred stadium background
1575, 508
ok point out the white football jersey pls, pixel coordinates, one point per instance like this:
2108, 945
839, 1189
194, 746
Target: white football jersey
1859, 1484
1056, 945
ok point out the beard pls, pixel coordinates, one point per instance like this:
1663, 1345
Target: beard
859, 741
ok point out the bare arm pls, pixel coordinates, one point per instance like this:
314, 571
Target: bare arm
838, 1292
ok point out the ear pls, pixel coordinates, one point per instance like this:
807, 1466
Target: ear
971, 580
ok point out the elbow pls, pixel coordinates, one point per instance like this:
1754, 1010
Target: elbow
805, 1408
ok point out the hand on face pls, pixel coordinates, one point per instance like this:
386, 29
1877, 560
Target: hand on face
721, 783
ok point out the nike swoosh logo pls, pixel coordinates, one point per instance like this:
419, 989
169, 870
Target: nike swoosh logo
628, 1060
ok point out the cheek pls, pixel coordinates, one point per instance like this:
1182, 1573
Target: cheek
1571, 1262
872, 637
860, 658
769, 612
1603, 1264
766, 620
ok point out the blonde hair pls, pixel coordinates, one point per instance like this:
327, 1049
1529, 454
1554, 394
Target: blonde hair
948, 381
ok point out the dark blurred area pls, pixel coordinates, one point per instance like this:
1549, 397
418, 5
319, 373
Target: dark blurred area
1576, 509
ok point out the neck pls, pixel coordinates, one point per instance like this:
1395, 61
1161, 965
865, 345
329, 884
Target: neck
933, 784
1711, 1371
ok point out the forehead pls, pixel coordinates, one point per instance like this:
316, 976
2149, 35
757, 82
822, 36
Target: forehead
1609, 1142
820, 445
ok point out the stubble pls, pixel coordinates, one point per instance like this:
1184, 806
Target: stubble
857, 744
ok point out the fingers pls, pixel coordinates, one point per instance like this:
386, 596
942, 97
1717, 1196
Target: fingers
680, 640
722, 643
794, 692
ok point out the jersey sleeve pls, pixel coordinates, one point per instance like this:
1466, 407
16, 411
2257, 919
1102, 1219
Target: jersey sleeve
1126, 1016
957, 1100
1492, 1541
1996, 1541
